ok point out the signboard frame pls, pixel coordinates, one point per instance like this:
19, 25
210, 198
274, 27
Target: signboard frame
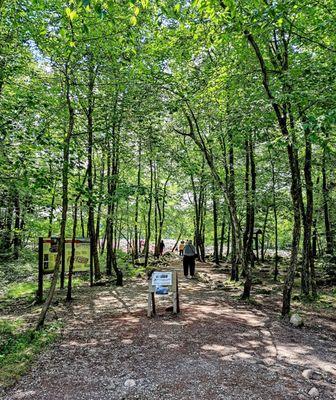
151, 311
41, 261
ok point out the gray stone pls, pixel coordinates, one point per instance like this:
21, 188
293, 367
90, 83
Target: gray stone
129, 383
296, 320
313, 392
308, 373
311, 374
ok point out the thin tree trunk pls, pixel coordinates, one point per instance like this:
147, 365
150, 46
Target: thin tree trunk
228, 243
150, 201
275, 216
136, 216
222, 237
17, 225
82, 220
330, 249
7, 241
101, 188
263, 251
73, 250
296, 190
215, 226
65, 179
91, 219
249, 256
52, 209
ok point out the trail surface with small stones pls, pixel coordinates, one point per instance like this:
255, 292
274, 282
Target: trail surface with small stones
216, 348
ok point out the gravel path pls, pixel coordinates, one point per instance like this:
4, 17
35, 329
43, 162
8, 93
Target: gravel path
215, 349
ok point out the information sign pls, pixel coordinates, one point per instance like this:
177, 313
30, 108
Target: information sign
162, 278
82, 254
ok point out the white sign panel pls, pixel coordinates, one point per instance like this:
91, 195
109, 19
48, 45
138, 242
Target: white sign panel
162, 279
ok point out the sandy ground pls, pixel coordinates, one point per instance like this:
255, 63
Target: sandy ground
217, 348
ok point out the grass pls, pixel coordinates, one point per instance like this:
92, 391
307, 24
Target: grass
27, 290
19, 347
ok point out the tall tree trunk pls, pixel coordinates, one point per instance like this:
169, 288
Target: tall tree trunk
235, 258
330, 248
82, 220
250, 212
228, 243
7, 236
156, 194
215, 226
275, 216
65, 180
196, 135
111, 257
136, 215
160, 209
89, 115
222, 237
150, 201
281, 113
52, 209
73, 250
101, 189
263, 251
17, 226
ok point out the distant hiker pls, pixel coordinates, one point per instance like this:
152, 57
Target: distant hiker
189, 254
162, 246
181, 248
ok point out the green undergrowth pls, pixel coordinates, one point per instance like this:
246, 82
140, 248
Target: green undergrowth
27, 290
19, 346
325, 299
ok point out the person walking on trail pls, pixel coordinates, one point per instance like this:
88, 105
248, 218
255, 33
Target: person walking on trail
189, 254
181, 248
162, 246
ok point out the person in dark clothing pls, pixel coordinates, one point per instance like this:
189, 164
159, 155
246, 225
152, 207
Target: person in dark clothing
162, 246
189, 253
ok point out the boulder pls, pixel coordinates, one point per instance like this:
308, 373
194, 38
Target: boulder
313, 392
296, 320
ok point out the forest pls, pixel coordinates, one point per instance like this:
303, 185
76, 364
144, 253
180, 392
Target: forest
132, 122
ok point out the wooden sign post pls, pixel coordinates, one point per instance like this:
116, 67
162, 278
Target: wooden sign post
162, 283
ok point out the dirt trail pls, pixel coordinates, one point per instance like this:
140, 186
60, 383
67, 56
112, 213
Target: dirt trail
215, 349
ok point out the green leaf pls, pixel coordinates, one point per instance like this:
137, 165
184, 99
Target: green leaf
71, 14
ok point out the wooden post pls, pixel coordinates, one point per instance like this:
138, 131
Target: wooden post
151, 304
175, 294
151, 310
39, 293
